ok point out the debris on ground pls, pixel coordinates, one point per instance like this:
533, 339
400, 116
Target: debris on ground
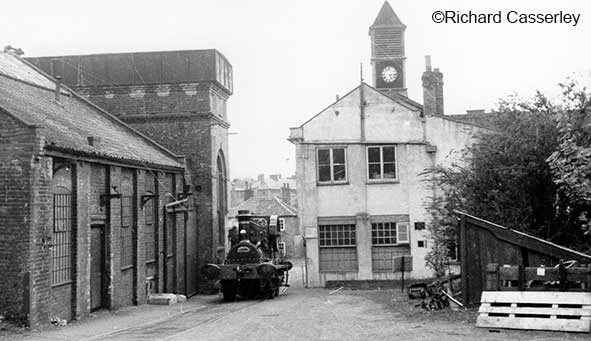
441, 293
58, 322
336, 290
417, 290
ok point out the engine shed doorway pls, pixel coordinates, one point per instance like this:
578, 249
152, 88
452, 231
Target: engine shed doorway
98, 277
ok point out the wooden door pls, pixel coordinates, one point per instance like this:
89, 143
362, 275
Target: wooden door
97, 267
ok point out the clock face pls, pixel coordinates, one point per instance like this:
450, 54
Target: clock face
389, 74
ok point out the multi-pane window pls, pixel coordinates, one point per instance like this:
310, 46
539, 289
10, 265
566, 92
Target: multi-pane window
337, 235
389, 233
390, 248
338, 251
383, 234
381, 163
281, 223
61, 253
126, 234
332, 165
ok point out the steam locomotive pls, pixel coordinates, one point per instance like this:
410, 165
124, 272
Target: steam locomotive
253, 266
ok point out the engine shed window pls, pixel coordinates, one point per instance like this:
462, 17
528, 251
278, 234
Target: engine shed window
338, 248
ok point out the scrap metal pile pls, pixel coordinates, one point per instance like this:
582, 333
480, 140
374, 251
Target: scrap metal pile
442, 293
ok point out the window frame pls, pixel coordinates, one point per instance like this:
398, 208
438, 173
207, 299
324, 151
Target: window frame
336, 232
281, 223
397, 232
329, 235
62, 249
281, 246
127, 232
331, 164
381, 179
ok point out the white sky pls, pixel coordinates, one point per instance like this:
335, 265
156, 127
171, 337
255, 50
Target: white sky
291, 58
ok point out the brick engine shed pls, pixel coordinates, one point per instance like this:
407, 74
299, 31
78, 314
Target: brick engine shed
177, 98
92, 212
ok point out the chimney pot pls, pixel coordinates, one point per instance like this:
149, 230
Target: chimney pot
428, 63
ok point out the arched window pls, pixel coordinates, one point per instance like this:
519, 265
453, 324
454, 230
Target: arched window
61, 236
222, 197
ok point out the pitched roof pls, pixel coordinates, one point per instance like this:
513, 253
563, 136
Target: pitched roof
401, 99
264, 206
387, 17
524, 239
484, 119
414, 105
29, 96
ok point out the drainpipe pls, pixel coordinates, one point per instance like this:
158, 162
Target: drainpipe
362, 109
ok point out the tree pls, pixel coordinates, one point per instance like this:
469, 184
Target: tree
571, 162
509, 176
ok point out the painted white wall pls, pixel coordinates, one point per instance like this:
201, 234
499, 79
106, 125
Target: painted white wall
386, 122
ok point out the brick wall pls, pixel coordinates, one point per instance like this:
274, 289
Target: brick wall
151, 99
184, 119
41, 209
26, 207
16, 149
84, 191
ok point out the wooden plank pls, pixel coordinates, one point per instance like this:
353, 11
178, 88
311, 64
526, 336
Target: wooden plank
536, 311
534, 323
536, 297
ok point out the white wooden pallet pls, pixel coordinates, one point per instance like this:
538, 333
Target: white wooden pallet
539, 310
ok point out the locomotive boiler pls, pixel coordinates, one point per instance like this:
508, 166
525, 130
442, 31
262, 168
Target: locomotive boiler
253, 267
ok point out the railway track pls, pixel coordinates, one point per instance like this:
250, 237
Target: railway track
176, 326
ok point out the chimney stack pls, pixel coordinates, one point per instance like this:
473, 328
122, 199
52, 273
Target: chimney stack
58, 87
286, 194
248, 192
432, 89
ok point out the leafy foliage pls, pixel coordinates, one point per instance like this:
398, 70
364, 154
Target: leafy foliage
532, 173
571, 162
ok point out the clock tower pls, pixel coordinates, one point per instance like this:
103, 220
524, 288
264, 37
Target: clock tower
387, 52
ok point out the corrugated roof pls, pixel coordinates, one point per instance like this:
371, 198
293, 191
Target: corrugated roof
387, 17
66, 124
265, 207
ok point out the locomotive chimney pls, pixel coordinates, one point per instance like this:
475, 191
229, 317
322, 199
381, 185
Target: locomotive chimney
243, 220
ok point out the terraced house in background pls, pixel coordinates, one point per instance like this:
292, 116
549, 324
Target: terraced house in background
94, 214
359, 161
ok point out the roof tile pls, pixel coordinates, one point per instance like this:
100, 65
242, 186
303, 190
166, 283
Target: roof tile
66, 124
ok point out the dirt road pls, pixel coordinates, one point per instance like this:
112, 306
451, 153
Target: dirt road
309, 314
